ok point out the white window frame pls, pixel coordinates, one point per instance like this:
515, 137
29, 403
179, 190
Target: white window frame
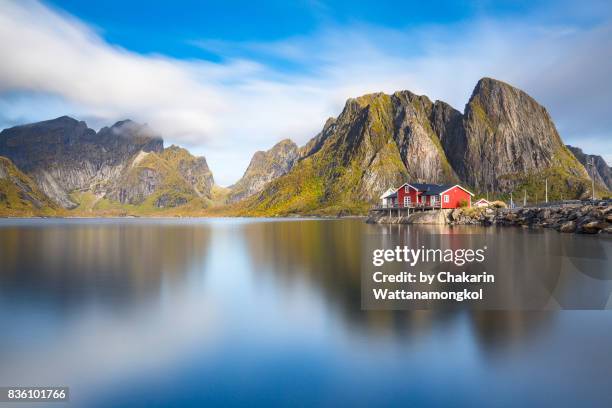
406, 201
446, 199
406, 189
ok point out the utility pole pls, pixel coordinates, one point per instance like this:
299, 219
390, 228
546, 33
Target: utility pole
511, 202
524, 198
546, 189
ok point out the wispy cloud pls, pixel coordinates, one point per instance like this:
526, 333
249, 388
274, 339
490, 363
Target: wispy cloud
262, 92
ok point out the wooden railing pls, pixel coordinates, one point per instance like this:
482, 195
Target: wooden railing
411, 205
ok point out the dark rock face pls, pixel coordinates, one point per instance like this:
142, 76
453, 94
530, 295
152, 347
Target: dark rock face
263, 168
18, 192
504, 141
509, 135
418, 137
126, 163
377, 141
63, 155
602, 172
169, 178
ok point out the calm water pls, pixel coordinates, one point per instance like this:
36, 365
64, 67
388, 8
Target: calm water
205, 312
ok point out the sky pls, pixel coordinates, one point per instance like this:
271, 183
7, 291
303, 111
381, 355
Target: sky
225, 79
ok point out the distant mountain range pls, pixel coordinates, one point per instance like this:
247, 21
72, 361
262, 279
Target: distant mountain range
120, 169
505, 141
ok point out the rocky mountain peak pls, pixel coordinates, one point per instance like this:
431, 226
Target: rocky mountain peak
601, 172
509, 136
264, 167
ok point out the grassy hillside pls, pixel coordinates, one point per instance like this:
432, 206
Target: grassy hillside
19, 195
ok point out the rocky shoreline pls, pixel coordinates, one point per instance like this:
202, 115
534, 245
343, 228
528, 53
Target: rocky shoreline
583, 219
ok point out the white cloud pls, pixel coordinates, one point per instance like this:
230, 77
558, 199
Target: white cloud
228, 110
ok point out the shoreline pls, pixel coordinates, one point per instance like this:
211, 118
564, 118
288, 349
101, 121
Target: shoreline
581, 219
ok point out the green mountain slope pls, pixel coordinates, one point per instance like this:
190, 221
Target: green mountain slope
19, 195
156, 182
377, 141
505, 142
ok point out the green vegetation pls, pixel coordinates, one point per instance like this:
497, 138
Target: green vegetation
19, 195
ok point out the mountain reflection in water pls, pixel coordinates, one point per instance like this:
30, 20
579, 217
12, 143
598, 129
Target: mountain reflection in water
194, 312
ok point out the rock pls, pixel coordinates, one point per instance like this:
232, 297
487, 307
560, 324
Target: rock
455, 214
603, 172
63, 155
503, 140
18, 192
173, 176
169, 200
428, 217
511, 217
593, 227
263, 168
507, 134
125, 162
568, 227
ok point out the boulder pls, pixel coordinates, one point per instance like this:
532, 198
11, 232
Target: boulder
593, 227
568, 227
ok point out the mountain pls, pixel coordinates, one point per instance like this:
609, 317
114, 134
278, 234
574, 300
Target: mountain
19, 195
263, 168
377, 141
170, 178
64, 155
125, 164
511, 143
603, 172
504, 141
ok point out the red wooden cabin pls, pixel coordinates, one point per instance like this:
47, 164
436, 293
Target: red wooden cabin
433, 195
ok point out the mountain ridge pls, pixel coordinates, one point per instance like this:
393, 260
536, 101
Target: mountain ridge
503, 141
125, 163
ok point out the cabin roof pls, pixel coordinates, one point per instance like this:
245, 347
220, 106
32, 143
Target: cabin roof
432, 189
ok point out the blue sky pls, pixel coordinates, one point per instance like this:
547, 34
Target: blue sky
225, 79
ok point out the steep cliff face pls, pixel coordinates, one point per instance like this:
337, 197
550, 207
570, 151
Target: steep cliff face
505, 141
418, 137
511, 141
19, 195
64, 155
124, 164
170, 178
263, 168
601, 171
194, 170
377, 141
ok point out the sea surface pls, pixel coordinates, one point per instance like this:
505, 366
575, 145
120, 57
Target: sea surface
257, 312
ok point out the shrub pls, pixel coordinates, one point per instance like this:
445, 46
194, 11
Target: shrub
499, 204
463, 203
